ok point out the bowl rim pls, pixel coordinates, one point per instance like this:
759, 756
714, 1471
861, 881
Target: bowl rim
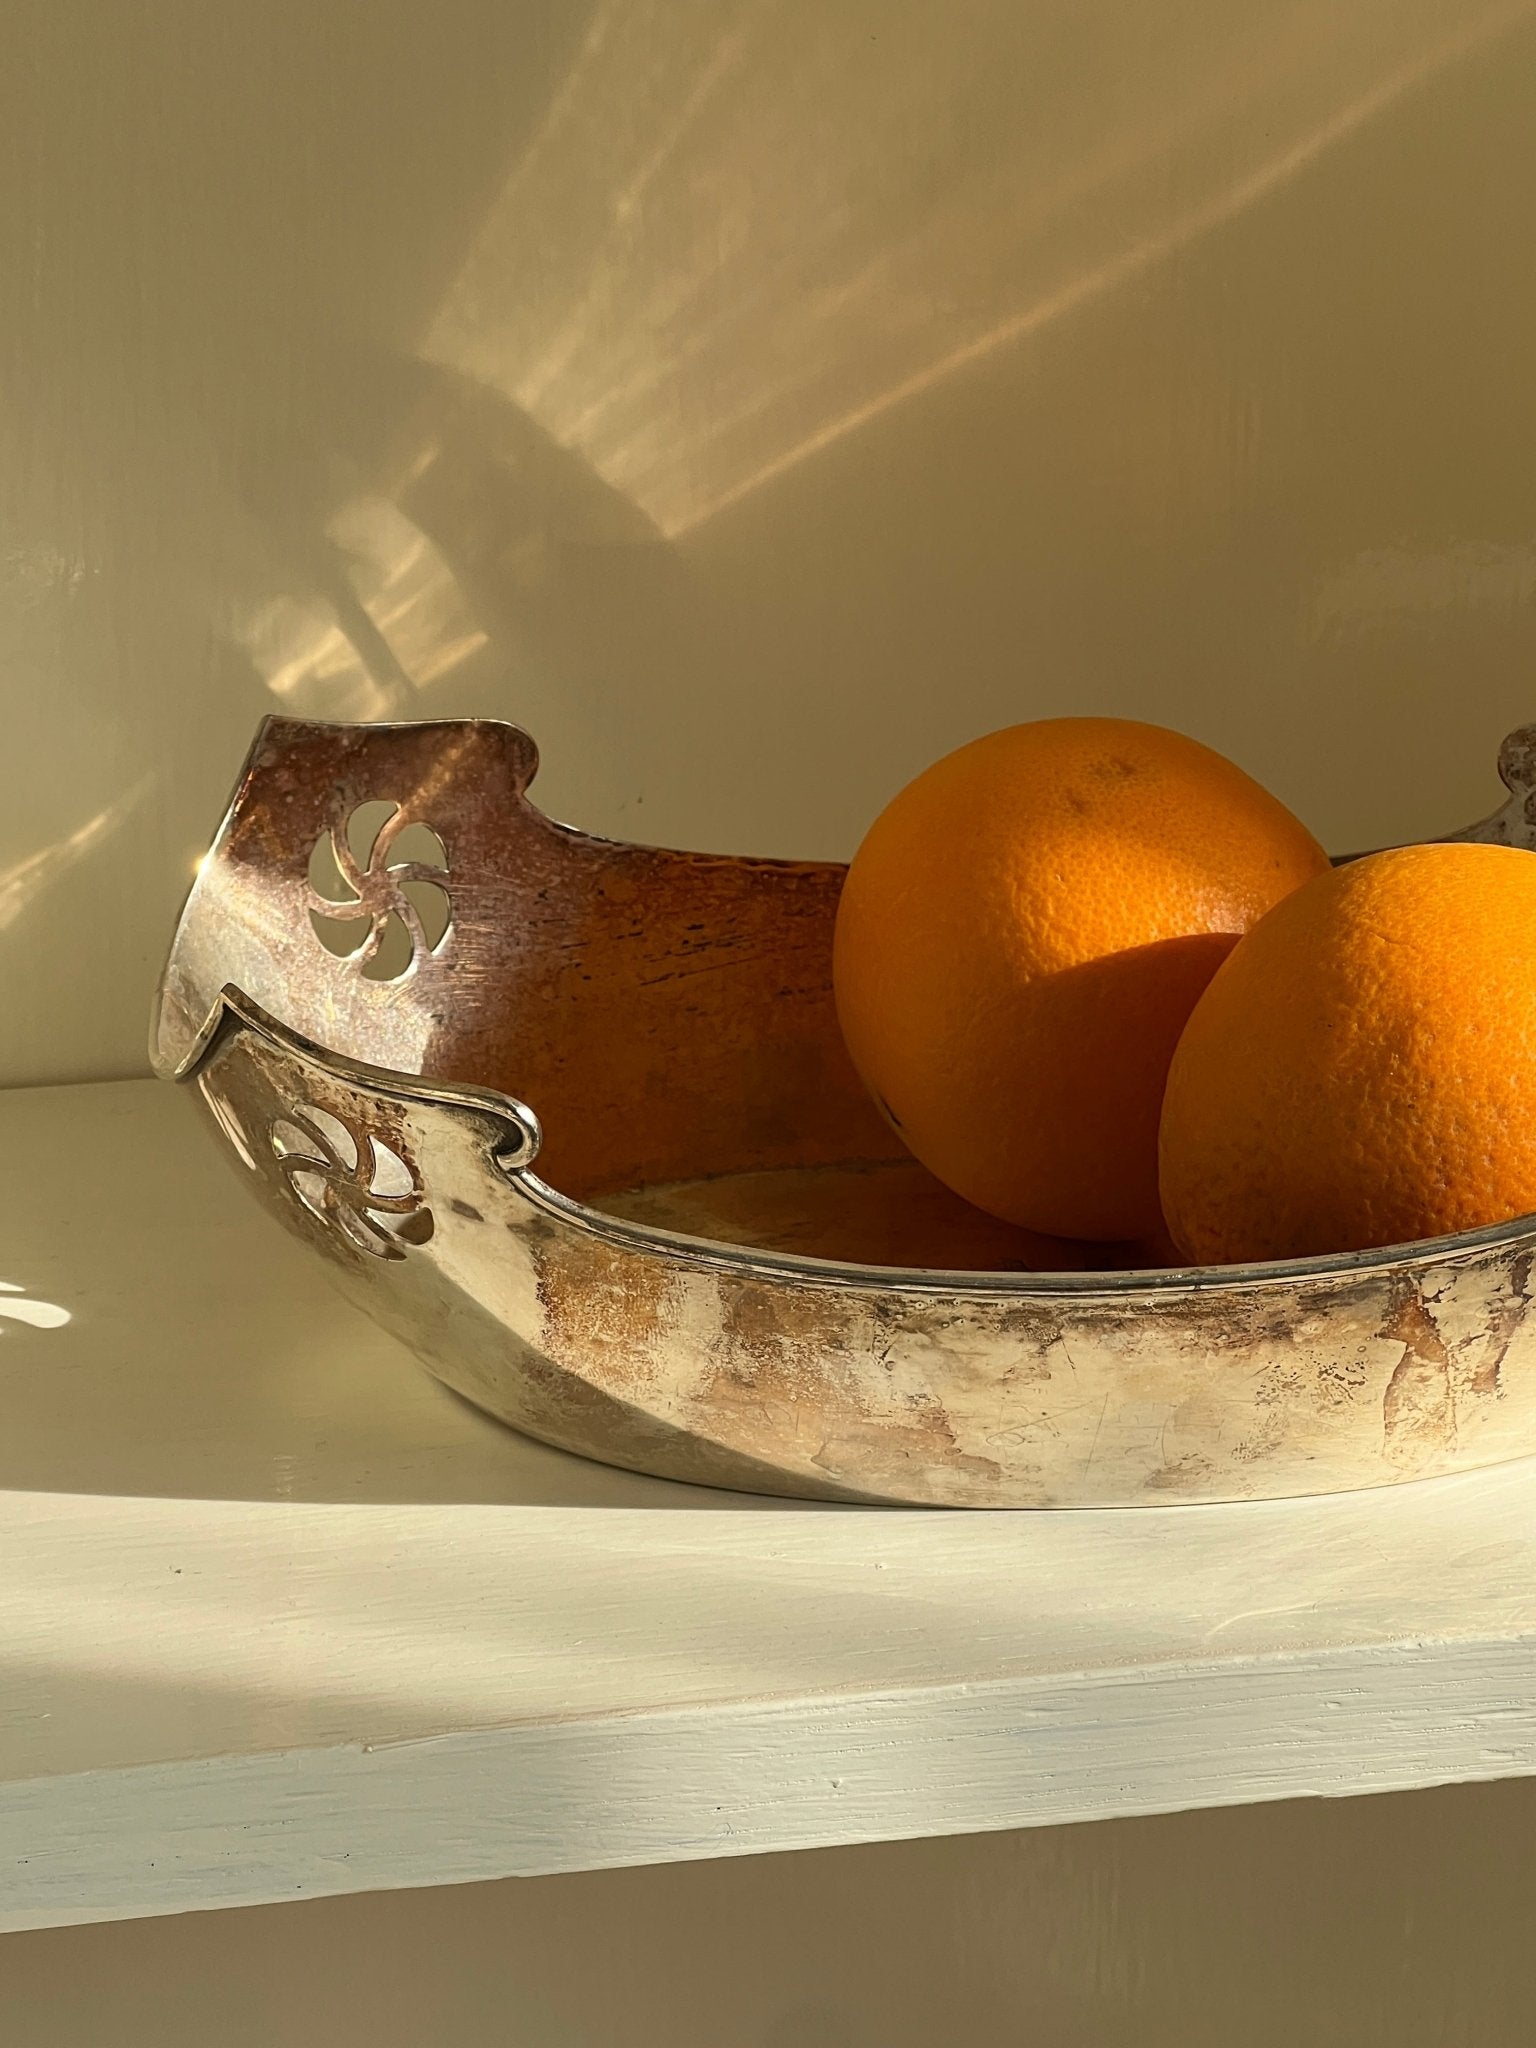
514, 1158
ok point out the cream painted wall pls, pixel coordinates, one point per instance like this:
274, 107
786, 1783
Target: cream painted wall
1396, 1922
753, 397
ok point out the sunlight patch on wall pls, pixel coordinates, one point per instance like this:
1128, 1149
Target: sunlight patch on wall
25, 880
747, 227
38, 1315
396, 622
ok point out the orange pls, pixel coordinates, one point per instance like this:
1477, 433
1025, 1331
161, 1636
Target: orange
1020, 940
1362, 1070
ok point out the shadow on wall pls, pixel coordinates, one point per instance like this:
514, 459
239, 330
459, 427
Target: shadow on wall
755, 400
938, 438
473, 567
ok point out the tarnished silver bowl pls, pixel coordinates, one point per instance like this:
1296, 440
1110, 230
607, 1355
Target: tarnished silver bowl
574, 1120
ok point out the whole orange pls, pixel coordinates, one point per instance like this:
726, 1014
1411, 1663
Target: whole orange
1362, 1070
1020, 940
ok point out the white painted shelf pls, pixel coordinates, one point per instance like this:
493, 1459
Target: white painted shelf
279, 1616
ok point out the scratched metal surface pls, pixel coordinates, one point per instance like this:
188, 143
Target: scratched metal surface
667, 1020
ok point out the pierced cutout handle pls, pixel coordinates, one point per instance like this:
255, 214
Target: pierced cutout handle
379, 890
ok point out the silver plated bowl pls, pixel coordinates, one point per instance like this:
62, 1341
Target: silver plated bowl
574, 1120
